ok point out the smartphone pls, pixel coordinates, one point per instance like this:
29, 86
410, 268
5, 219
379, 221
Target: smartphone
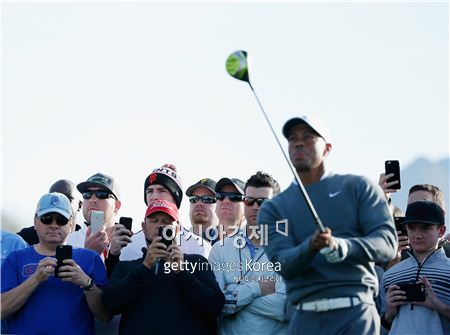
393, 167
169, 235
414, 292
62, 252
127, 222
399, 226
97, 220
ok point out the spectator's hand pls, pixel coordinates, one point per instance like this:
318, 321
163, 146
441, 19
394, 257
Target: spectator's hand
73, 273
321, 240
120, 238
156, 251
45, 269
394, 298
431, 300
176, 256
386, 186
267, 287
97, 242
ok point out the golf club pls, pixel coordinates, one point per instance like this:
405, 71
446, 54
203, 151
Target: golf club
237, 67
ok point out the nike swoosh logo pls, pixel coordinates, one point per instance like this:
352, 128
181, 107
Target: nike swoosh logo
332, 195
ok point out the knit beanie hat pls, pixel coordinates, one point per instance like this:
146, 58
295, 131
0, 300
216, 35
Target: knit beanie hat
166, 176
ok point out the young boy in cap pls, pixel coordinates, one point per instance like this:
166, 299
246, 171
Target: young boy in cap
165, 290
33, 299
428, 265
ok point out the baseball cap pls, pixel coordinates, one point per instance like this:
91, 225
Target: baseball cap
239, 184
162, 206
166, 176
424, 212
54, 203
315, 123
100, 180
208, 183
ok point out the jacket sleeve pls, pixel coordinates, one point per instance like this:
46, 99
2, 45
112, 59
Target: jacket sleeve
378, 242
200, 286
294, 258
271, 306
125, 286
110, 263
246, 292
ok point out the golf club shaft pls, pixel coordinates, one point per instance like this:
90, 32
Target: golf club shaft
297, 178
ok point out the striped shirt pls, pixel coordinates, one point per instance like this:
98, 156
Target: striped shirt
418, 319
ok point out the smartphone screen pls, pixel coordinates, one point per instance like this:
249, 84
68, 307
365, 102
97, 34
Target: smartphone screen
62, 252
97, 220
127, 222
399, 226
393, 167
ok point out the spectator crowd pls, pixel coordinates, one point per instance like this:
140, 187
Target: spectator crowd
254, 260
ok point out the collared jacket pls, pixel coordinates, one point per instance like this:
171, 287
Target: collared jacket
417, 319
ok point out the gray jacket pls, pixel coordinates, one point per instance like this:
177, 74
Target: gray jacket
355, 210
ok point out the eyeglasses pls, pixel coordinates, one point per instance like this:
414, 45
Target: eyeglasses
234, 197
101, 195
206, 199
59, 219
250, 201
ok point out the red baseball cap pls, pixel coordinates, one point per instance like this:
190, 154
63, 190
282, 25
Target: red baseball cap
162, 206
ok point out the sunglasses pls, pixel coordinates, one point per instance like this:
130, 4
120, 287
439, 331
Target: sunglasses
59, 219
101, 195
249, 201
206, 199
234, 197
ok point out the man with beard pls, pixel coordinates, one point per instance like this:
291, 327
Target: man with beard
165, 291
164, 183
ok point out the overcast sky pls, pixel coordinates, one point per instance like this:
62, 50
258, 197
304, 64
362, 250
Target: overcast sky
124, 88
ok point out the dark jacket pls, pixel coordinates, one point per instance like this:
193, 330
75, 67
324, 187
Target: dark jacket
164, 303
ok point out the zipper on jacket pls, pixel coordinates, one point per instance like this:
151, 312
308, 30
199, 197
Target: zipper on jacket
420, 266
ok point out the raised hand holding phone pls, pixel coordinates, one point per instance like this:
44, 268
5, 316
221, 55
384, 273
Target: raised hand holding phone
392, 172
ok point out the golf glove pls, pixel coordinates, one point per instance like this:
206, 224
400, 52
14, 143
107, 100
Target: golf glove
337, 253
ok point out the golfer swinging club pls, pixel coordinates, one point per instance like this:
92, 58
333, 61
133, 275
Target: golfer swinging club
330, 277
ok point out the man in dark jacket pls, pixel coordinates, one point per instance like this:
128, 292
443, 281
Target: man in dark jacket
165, 291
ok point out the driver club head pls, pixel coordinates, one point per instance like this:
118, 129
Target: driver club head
237, 65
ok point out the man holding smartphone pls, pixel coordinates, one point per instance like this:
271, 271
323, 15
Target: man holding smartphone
165, 291
428, 266
164, 183
101, 200
37, 302
330, 277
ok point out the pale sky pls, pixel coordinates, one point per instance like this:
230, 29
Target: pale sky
124, 88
